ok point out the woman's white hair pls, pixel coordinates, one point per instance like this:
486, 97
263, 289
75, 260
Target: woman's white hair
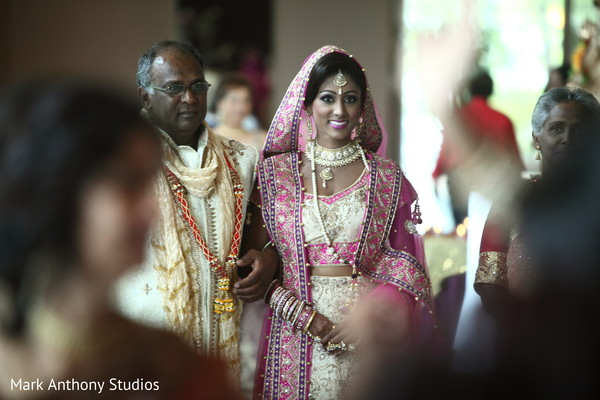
556, 96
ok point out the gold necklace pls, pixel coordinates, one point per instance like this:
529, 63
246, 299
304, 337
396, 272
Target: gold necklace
329, 158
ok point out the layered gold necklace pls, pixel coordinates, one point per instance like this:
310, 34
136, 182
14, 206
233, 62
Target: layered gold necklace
329, 158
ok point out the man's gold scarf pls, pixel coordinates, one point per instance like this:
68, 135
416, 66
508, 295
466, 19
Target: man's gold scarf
183, 276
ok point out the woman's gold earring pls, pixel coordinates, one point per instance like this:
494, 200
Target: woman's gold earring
538, 155
309, 126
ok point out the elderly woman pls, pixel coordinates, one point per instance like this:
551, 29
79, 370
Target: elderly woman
339, 214
561, 118
76, 167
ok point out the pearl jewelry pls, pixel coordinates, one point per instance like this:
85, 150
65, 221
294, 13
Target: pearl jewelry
330, 250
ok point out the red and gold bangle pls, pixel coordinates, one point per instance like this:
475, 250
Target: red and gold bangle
281, 302
297, 303
303, 318
290, 306
296, 315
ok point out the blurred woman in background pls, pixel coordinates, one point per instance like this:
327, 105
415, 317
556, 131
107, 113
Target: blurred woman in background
233, 106
76, 168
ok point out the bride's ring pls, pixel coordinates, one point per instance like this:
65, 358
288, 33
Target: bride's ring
340, 346
332, 346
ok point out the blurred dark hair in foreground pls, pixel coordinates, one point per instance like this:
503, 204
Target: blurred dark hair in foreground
54, 136
77, 165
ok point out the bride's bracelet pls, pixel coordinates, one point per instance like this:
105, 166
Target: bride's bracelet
276, 299
302, 318
286, 306
297, 312
270, 290
282, 301
310, 320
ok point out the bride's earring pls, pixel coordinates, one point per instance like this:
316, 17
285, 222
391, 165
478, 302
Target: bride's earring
309, 128
361, 126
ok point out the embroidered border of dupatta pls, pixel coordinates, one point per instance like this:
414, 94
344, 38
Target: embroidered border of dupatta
280, 186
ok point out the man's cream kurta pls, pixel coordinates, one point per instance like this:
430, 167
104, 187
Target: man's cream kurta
141, 294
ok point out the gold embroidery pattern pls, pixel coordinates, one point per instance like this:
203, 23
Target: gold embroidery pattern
343, 217
235, 148
211, 229
492, 268
332, 374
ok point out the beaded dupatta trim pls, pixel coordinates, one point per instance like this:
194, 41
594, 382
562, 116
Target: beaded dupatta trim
374, 258
280, 185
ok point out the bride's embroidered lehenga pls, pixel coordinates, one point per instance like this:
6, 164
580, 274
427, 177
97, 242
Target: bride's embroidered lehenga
370, 224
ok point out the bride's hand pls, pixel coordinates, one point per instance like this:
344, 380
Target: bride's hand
340, 338
320, 326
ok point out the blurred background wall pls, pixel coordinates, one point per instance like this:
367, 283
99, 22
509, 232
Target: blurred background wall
267, 40
103, 39
98, 38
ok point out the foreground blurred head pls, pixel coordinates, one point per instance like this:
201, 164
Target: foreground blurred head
76, 166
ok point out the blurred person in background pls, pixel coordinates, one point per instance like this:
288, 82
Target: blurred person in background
487, 127
189, 282
558, 77
232, 104
254, 66
585, 59
562, 119
76, 169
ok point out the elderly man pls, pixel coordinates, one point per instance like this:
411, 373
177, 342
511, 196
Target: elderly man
189, 283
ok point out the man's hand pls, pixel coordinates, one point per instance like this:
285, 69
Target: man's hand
264, 265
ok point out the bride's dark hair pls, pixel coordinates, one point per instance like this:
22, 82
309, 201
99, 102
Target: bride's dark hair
54, 137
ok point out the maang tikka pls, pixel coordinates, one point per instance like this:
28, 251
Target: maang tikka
340, 81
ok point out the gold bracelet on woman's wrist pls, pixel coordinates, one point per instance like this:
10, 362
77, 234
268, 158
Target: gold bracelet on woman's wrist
309, 322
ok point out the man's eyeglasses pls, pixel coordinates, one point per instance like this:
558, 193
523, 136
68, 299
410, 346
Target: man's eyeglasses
178, 89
